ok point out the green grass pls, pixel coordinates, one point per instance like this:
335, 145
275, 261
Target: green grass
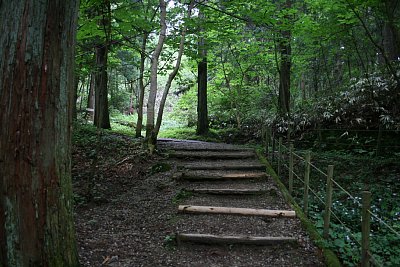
190, 134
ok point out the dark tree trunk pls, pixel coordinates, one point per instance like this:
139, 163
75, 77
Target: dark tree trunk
202, 110
36, 84
101, 115
284, 69
391, 38
284, 74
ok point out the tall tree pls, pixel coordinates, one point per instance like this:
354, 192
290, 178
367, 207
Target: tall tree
173, 73
202, 109
285, 50
36, 81
141, 85
101, 113
153, 78
391, 34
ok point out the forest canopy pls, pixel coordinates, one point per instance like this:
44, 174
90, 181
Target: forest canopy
291, 65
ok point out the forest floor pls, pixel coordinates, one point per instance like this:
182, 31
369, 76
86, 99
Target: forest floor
126, 214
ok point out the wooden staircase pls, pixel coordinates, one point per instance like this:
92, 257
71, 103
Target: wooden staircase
232, 200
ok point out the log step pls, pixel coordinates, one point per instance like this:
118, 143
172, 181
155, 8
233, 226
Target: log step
222, 166
213, 154
247, 240
236, 211
218, 191
205, 148
199, 175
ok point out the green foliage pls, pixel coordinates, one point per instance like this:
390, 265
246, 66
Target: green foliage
356, 173
181, 196
160, 167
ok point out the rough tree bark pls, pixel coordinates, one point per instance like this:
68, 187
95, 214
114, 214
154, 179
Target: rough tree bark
36, 84
202, 109
172, 76
153, 77
101, 114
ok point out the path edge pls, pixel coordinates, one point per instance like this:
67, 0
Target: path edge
330, 258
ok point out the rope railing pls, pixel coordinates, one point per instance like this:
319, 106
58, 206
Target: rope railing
346, 228
319, 170
365, 211
384, 223
346, 192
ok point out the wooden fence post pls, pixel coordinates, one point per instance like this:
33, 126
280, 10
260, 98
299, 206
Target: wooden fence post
279, 156
267, 140
328, 201
291, 169
306, 181
273, 146
365, 228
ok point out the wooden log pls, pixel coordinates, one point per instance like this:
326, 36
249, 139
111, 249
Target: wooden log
222, 166
225, 239
199, 175
213, 154
236, 211
218, 191
185, 148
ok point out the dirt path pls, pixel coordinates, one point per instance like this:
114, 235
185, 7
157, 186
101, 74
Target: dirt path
135, 217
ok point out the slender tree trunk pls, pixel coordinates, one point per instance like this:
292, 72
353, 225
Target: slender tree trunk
172, 75
91, 97
153, 82
36, 84
141, 87
202, 109
81, 92
303, 87
75, 99
284, 76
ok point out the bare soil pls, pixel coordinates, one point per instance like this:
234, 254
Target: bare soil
129, 216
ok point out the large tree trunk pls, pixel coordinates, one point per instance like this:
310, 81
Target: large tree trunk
153, 78
36, 84
391, 38
101, 114
141, 86
202, 110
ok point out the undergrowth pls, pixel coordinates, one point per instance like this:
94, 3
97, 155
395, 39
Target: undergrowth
354, 172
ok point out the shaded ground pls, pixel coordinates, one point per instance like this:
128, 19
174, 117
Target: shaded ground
131, 217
